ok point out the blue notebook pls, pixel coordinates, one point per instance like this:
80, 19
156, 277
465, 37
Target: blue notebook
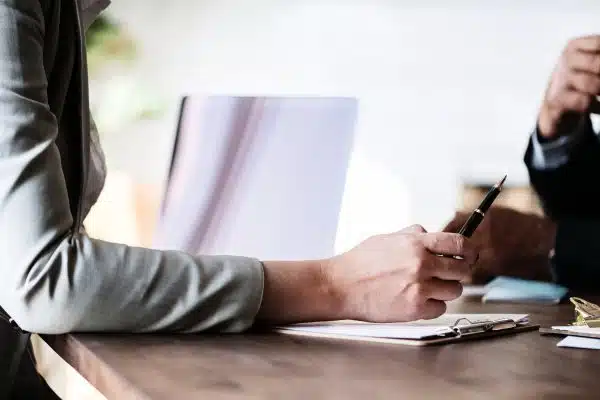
514, 290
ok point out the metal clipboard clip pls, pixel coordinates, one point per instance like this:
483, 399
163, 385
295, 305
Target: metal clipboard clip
586, 313
475, 327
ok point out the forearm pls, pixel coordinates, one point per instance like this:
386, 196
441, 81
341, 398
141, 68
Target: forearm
565, 179
87, 285
298, 291
55, 279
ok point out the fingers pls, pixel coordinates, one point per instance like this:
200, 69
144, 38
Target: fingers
433, 309
427, 299
432, 296
450, 244
444, 290
573, 87
582, 88
584, 62
450, 269
574, 100
582, 74
589, 43
584, 83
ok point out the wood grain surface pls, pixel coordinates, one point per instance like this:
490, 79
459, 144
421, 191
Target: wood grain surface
271, 366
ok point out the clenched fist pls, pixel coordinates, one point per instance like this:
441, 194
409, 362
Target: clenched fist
573, 87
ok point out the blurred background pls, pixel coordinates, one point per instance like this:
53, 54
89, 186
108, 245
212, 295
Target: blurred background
448, 91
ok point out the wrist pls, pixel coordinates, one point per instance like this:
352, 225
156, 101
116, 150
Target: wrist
333, 287
552, 124
300, 291
547, 126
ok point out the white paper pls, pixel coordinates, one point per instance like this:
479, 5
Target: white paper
407, 330
578, 329
580, 343
390, 331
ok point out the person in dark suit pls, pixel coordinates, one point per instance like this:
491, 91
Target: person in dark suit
563, 159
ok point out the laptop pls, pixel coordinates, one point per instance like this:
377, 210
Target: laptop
257, 176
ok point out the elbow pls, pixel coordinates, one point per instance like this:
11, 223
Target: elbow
39, 299
36, 315
35, 319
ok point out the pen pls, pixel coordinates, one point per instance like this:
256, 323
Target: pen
479, 213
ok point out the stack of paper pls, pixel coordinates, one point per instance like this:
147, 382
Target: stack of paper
442, 329
580, 343
581, 337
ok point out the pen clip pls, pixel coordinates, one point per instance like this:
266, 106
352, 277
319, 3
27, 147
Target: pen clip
482, 326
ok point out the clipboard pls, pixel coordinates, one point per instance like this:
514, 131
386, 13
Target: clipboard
464, 329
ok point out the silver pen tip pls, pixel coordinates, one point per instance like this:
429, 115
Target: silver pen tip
499, 184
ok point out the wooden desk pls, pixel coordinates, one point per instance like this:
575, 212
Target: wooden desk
276, 366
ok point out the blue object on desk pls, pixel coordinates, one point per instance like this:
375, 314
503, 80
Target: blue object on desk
515, 290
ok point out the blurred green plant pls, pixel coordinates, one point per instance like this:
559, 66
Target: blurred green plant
121, 97
106, 42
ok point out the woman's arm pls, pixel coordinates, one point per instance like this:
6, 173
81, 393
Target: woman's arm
55, 280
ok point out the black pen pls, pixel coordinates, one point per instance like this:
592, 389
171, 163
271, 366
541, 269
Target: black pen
479, 213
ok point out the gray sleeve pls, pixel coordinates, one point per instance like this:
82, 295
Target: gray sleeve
56, 280
554, 154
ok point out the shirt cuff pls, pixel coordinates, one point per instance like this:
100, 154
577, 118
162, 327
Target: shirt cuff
550, 155
553, 154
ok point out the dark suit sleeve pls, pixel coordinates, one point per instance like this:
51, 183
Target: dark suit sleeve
573, 189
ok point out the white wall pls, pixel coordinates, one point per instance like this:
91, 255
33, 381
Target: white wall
449, 89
